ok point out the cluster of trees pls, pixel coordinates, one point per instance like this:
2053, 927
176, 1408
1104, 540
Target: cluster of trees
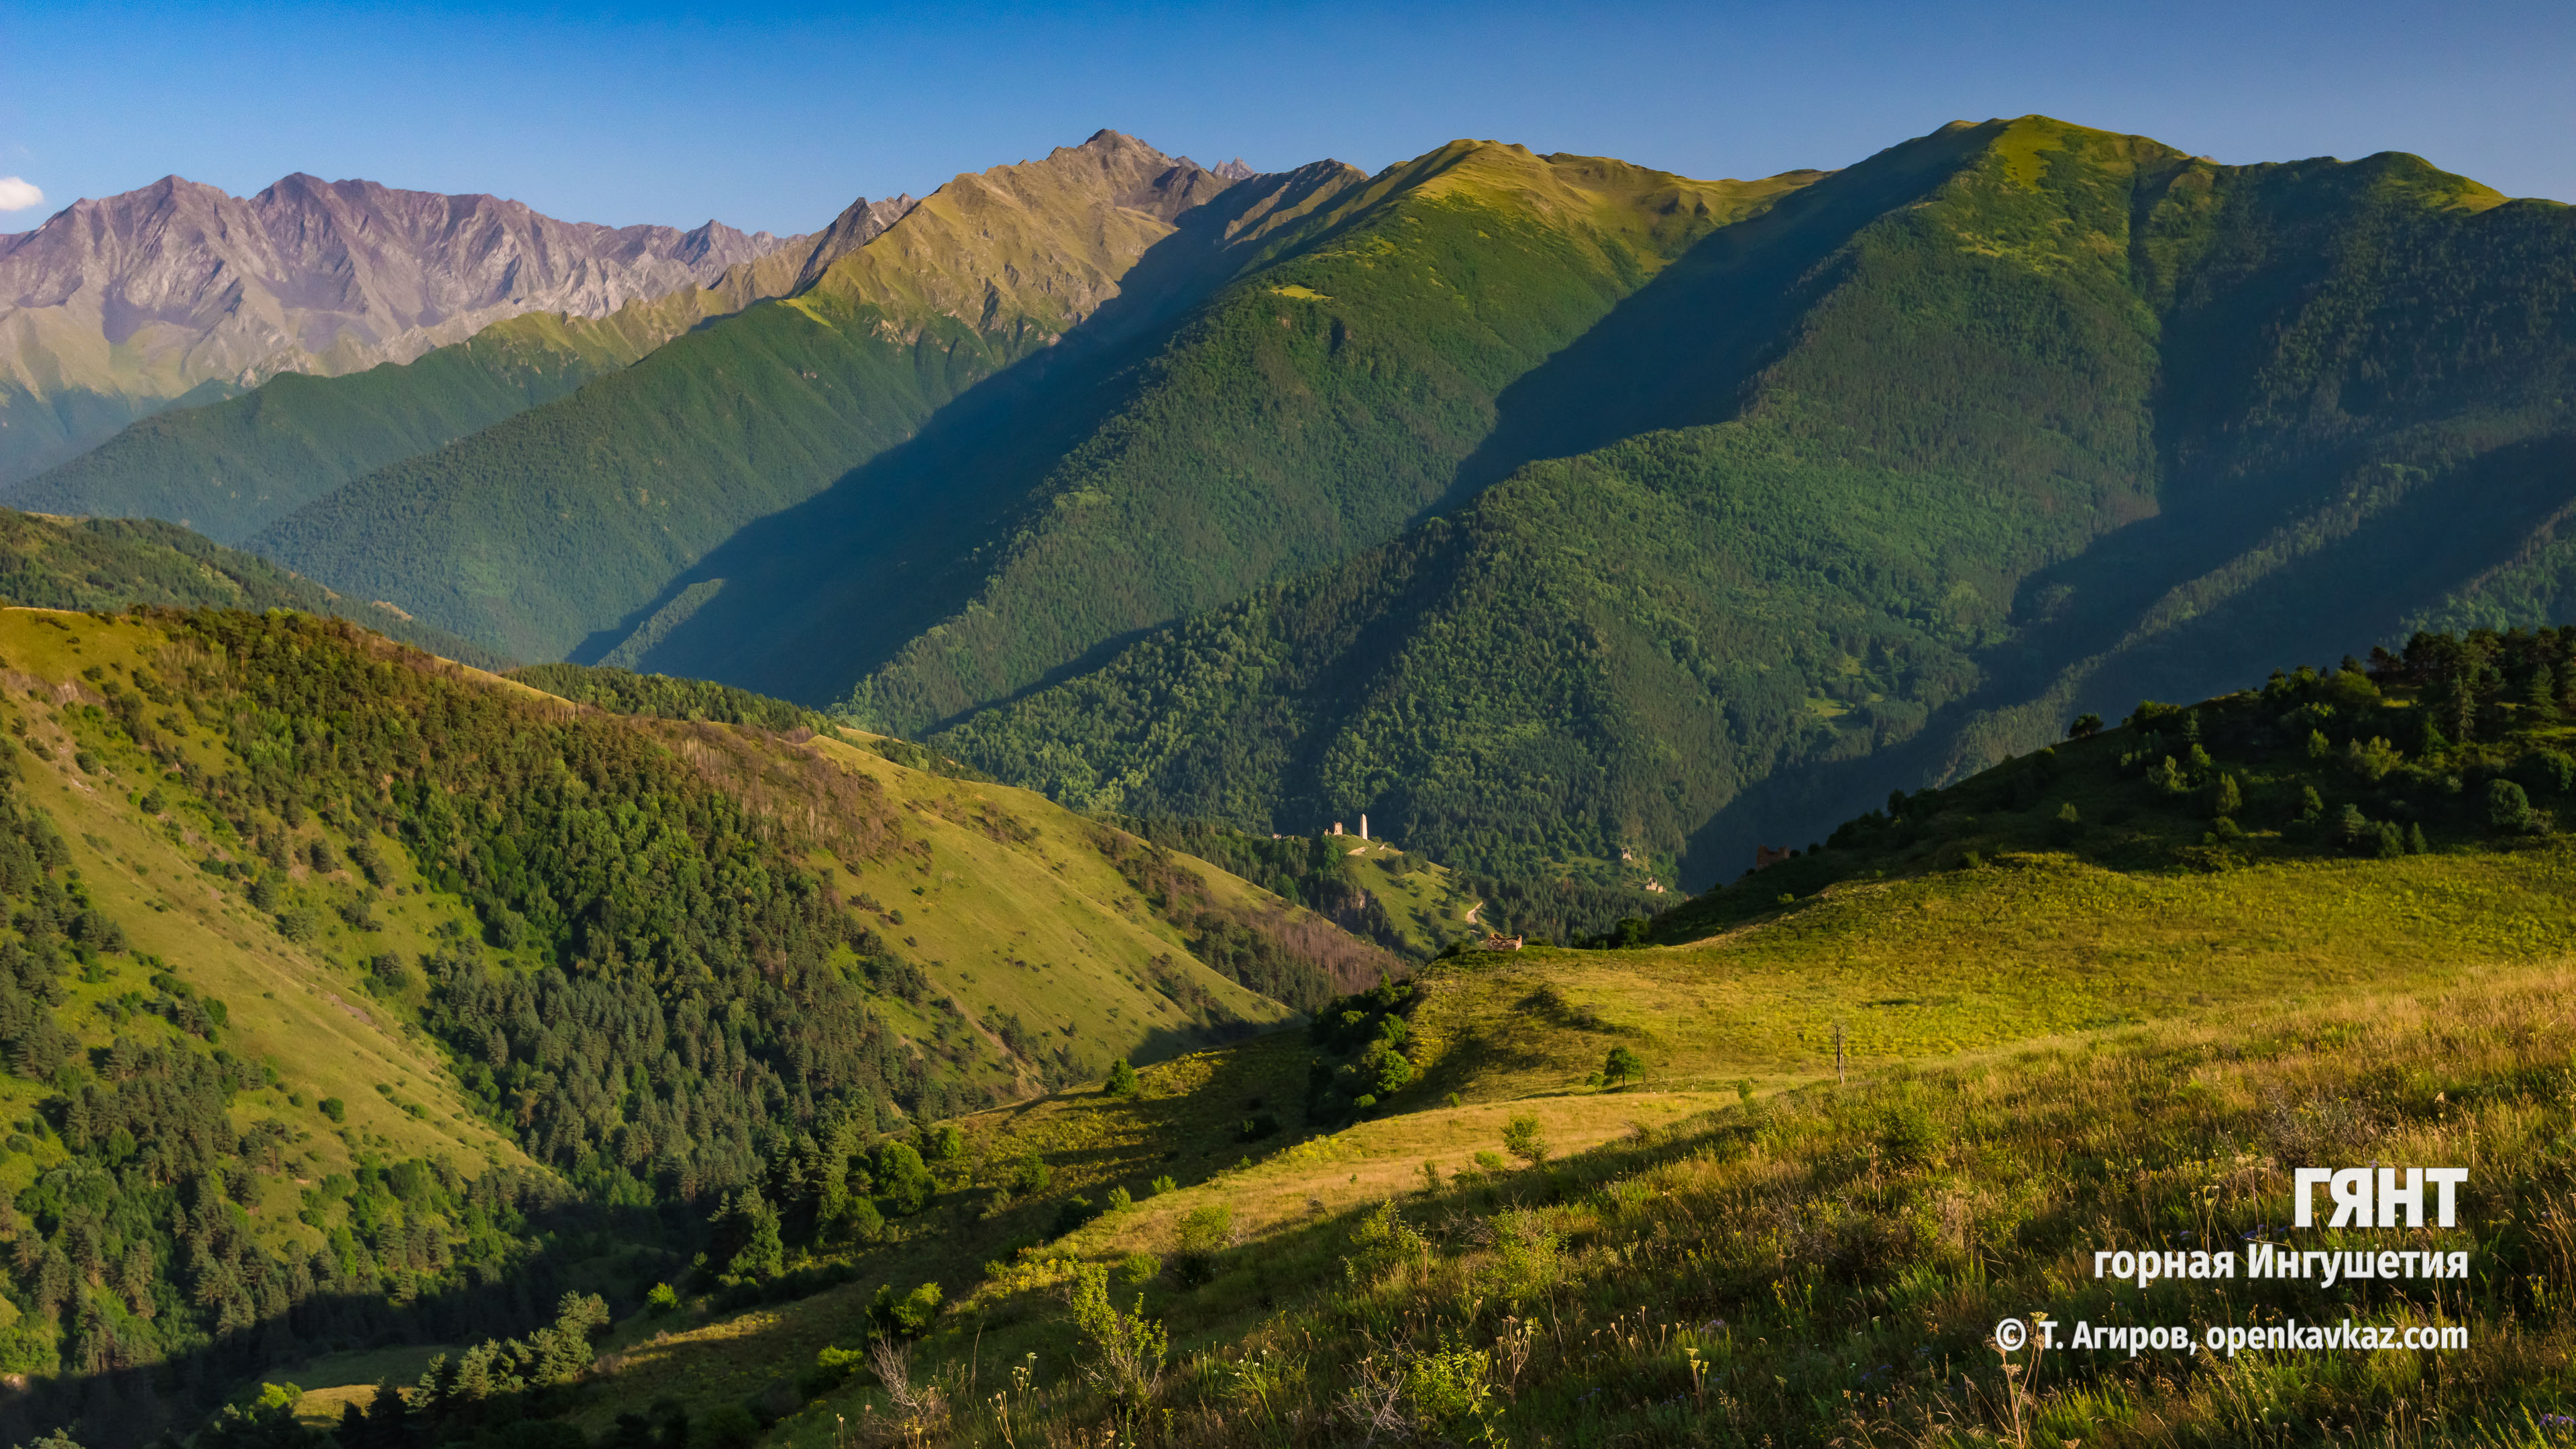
112, 563
623, 691
684, 947
1365, 1049
2454, 739
1264, 951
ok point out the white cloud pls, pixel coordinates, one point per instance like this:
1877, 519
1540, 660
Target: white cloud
17, 195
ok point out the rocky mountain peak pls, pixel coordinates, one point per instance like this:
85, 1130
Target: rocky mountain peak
140, 297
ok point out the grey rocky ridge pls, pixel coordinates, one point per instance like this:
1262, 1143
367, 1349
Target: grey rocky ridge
118, 307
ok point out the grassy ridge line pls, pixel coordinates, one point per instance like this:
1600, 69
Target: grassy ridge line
565, 522
107, 564
1781, 584
1374, 345
1016, 912
2307, 768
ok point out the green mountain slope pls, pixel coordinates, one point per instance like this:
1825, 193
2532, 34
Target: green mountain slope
561, 521
109, 564
231, 468
1976, 431
353, 997
1340, 381
1848, 1132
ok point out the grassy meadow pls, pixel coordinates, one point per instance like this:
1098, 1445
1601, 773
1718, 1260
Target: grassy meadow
1772, 1172
1738, 1248
1824, 1264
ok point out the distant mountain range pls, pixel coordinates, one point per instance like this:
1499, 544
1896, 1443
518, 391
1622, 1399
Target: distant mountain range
1562, 514
115, 308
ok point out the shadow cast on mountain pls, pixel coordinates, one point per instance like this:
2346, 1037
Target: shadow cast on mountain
2159, 610
806, 606
124, 1405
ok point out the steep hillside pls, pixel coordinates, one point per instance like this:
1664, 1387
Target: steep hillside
360, 998
1784, 1179
1335, 376
109, 564
1973, 432
230, 468
177, 293
566, 519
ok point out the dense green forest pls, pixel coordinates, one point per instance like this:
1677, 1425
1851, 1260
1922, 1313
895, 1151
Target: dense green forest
1303, 412
111, 563
622, 691
2005, 418
2458, 740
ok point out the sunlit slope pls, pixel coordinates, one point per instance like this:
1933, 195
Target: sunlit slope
1866, 492
1015, 909
112, 563
305, 1009
1333, 384
1973, 981
565, 520
231, 468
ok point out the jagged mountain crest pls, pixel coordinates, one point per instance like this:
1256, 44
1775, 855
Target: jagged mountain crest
308, 273
117, 306
1041, 243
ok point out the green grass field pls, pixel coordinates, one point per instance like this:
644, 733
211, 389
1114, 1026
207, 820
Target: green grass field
2086, 1050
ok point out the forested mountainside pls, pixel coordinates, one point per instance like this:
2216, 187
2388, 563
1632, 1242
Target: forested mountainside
230, 468
2128, 981
1337, 383
554, 525
1882, 485
119, 306
1577, 521
360, 998
108, 564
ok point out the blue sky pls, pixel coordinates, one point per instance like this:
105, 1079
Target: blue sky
775, 117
